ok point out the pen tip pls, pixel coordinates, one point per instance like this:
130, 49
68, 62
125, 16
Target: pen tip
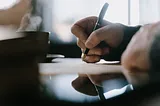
83, 56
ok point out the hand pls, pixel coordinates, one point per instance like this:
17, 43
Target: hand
85, 83
136, 59
110, 33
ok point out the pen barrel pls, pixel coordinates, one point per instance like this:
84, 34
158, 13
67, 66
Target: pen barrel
100, 92
86, 51
97, 26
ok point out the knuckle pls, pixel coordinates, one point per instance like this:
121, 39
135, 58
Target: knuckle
96, 51
73, 29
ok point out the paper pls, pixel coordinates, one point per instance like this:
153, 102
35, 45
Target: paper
74, 66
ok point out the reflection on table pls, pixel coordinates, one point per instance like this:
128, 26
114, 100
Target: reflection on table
59, 84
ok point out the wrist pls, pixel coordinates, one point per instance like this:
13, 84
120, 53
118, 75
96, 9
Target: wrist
128, 33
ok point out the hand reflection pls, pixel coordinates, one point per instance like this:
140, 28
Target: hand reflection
85, 83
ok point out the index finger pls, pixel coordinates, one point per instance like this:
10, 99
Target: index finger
83, 28
78, 31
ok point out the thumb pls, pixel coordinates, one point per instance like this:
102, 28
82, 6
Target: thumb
95, 38
111, 34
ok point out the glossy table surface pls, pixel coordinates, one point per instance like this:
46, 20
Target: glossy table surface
58, 76
76, 65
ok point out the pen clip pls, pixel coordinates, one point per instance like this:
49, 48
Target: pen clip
97, 26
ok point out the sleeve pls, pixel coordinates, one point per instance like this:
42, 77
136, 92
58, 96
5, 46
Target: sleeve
115, 53
154, 56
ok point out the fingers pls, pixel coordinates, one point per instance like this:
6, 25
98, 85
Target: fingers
94, 39
84, 85
99, 79
78, 31
92, 59
83, 28
111, 34
94, 55
94, 51
80, 44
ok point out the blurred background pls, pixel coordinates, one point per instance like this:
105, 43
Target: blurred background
59, 15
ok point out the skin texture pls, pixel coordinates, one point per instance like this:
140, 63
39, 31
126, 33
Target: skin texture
136, 58
109, 32
84, 83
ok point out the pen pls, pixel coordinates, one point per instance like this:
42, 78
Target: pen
100, 92
97, 25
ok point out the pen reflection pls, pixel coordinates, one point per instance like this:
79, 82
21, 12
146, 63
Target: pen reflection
59, 86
